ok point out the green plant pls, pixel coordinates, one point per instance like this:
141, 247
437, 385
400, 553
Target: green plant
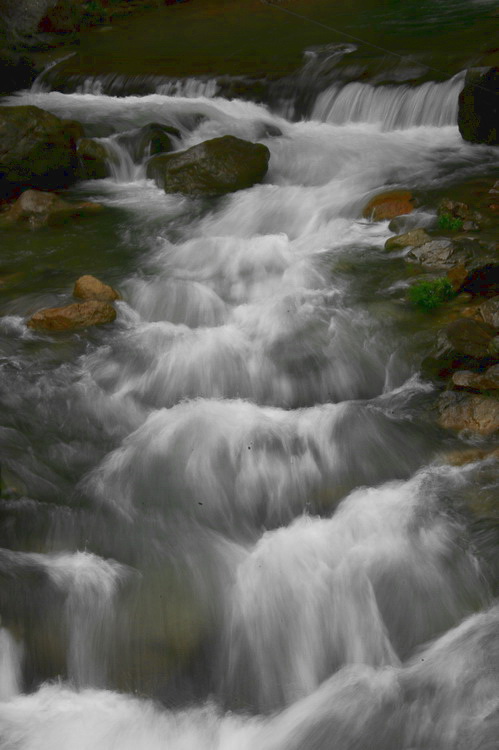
431, 294
449, 223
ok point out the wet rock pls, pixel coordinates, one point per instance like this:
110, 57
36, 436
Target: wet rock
457, 275
462, 411
215, 167
93, 160
465, 344
37, 149
477, 381
73, 317
389, 205
436, 254
38, 209
456, 209
489, 312
89, 287
470, 455
478, 113
149, 140
482, 281
414, 238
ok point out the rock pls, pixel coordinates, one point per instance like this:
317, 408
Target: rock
477, 381
64, 17
73, 317
215, 167
389, 205
462, 411
482, 281
93, 160
37, 149
150, 140
489, 312
16, 72
457, 275
470, 455
414, 238
39, 209
478, 113
469, 339
74, 128
435, 254
458, 210
88, 287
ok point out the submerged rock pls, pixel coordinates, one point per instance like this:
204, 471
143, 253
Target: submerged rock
73, 317
38, 209
88, 287
92, 158
389, 205
215, 167
414, 238
463, 411
37, 149
478, 113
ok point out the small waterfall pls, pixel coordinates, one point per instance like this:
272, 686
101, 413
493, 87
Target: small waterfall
120, 162
394, 107
10, 666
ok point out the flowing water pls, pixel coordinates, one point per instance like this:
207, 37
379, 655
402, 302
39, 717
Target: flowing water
232, 525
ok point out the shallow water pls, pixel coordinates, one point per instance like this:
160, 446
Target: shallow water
231, 523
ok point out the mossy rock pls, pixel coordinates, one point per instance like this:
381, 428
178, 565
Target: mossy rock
93, 160
215, 167
37, 149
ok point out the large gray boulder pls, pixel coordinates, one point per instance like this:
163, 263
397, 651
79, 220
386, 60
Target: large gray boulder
478, 114
215, 167
37, 150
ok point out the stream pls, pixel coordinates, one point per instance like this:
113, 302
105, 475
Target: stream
233, 523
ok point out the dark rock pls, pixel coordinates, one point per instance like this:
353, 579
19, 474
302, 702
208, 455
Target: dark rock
482, 281
37, 149
93, 160
16, 72
465, 344
73, 317
489, 312
389, 205
462, 411
457, 275
215, 167
63, 17
150, 140
478, 115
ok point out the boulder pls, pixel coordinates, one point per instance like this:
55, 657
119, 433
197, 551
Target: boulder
88, 287
38, 209
92, 160
389, 205
414, 238
463, 411
149, 140
215, 167
73, 317
477, 381
482, 281
489, 312
478, 112
465, 344
435, 254
37, 149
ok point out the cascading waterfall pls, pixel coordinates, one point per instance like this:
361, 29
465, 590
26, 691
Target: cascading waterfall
236, 529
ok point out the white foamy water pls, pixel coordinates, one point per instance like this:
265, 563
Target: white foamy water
236, 519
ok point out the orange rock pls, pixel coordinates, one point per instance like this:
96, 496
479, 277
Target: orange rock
389, 205
73, 317
88, 287
457, 275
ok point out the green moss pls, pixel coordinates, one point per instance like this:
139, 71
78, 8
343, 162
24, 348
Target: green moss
431, 294
447, 223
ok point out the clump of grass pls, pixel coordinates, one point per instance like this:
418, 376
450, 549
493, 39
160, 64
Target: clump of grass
447, 223
431, 294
